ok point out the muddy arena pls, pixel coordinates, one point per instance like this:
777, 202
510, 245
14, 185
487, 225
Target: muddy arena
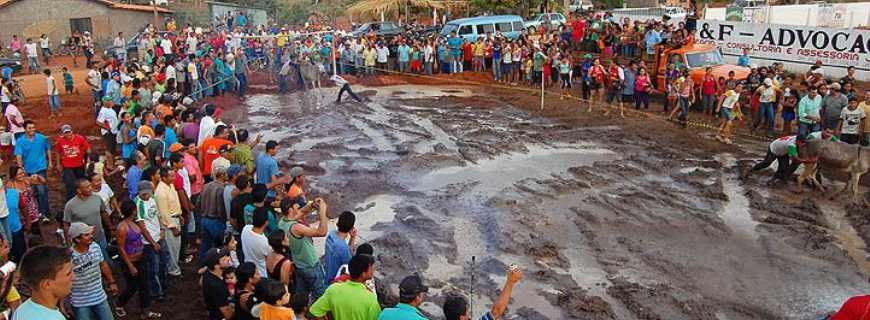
609, 218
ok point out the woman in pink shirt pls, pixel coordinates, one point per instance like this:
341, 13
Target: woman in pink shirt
15, 45
641, 89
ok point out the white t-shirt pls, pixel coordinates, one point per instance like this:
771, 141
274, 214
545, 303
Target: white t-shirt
95, 79
383, 54
192, 42
108, 114
120, 45
44, 43
170, 72
851, 120
206, 129
147, 212
4, 211
185, 180
106, 195
780, 146
730, 100
167, 45
52, 88
256, 248
30, 48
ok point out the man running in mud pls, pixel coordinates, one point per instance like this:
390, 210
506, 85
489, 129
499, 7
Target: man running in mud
345, 86
785, 151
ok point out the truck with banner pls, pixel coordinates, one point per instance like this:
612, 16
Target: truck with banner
796, 47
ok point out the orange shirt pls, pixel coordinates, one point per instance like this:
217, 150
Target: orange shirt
145, 130
270, 312
295, 192
209, 150
164, 110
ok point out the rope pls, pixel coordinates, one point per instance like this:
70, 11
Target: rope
551, 92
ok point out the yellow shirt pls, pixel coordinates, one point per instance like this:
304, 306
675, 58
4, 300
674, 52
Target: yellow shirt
168, 205
281, 41
12, 295
866, 106
370, 56
478, 48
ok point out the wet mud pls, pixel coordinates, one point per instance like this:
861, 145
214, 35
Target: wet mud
610, 219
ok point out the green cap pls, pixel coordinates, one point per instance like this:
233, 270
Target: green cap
587, 56
107, 98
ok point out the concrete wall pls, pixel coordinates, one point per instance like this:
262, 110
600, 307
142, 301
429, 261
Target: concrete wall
255, 16
31, 18
846, 15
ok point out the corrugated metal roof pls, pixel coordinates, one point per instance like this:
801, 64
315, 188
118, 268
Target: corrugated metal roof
110, 4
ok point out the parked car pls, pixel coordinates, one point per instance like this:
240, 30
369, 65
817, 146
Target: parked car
580, 5
133, 45
425, 32
509, 26
556, 20
381, 29
13, 62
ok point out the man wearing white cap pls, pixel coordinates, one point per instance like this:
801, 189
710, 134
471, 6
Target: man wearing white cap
88, 299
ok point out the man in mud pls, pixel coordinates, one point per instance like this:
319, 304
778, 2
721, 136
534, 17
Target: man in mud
345, 87
785, 151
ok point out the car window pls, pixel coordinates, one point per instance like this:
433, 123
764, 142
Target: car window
448, 29
388, 26
518, 25
486, 28
466, 29
503, 27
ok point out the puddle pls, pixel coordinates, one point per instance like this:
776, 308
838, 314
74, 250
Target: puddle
262, 102
308, 143
693, 169
376, 209
438, 136
378, 138
735, 213
418, 92
848, 238
503, 171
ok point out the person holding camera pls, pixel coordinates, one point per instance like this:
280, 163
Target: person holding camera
309, 271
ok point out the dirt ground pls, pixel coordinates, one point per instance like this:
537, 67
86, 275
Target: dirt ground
609, 218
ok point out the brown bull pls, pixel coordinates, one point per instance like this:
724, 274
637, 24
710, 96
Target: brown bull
852, 159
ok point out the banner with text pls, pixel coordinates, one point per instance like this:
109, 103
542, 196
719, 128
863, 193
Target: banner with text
788, 43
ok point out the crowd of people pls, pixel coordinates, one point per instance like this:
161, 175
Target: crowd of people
195, 191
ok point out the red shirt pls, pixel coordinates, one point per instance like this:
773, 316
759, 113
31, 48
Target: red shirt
467, 52
72, 151
708, 86
856, 308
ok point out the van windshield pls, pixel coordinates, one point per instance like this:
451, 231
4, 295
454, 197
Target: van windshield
448, 29
704, 59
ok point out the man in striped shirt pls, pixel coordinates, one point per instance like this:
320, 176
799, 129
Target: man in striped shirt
87, 297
